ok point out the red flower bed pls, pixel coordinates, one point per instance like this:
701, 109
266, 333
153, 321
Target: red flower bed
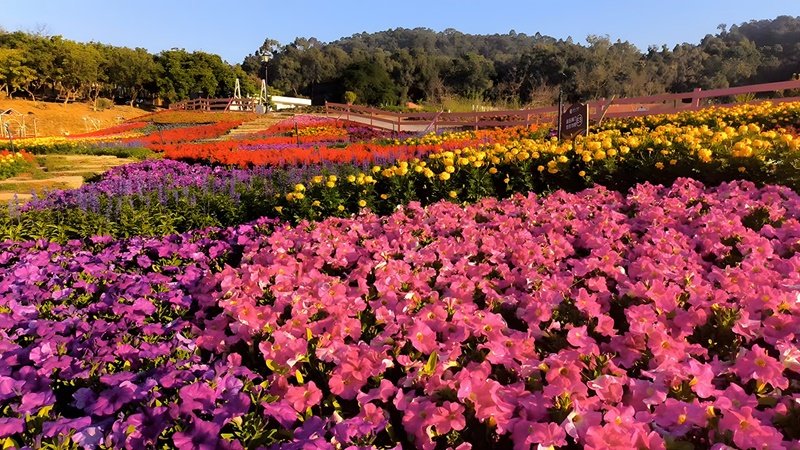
118, 129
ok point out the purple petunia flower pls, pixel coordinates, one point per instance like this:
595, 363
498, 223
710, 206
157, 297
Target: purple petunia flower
10, 426
200, 435
64, 426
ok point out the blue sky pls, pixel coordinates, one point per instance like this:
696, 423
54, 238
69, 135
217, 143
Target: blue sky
234, 29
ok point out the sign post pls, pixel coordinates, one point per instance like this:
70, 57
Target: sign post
560, 110
574, 121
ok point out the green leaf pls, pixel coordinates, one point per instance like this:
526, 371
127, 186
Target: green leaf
430, 366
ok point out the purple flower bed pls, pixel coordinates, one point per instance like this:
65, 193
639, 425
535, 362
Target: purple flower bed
667, 317
167, 177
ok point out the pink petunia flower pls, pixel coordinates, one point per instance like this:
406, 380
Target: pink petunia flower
756, 364
304, 397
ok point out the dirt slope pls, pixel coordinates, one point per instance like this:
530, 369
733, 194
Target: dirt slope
57, 119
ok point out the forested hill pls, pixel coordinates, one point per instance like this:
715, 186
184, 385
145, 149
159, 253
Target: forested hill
394, 66
516, 68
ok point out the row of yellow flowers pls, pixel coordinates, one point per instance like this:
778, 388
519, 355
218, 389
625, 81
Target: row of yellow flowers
613, 157
766, 114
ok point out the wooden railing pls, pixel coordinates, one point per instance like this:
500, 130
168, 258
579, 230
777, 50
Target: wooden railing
598, 109
216, 104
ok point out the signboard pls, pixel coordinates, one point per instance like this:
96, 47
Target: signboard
574, 121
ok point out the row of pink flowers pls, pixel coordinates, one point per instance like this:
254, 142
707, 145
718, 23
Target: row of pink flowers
666, 318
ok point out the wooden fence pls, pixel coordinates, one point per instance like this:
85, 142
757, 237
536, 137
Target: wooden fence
216, 104
598, 109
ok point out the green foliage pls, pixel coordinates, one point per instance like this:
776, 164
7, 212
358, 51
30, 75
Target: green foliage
370, 81
350, 97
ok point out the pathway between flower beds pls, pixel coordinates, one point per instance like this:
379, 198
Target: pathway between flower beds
58, 172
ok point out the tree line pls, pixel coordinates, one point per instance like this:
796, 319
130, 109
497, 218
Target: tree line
51, 66
419, 65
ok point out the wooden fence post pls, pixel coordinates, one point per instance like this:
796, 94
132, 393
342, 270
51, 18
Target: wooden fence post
696, 98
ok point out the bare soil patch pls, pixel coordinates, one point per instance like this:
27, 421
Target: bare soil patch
58, 119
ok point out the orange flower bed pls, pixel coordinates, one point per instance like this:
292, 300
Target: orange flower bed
177, 135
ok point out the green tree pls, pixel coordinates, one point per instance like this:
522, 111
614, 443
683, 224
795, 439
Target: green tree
471, 76
371, 82
14, 74
131, 70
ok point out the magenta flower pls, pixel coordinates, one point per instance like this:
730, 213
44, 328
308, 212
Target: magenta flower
303, 397
449, 416
10, 426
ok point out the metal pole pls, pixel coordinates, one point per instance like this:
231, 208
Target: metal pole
10, 138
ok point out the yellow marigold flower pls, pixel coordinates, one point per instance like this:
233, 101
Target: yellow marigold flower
586, 157
477, 164
493, 170
330, 184
463, 161
552, 170
612, 152
506, 180
742, 169
599, 155
672, 162
444, 176
388, 173
562, 159
704, 154
351, 178
449, 169
362, 203
429, 173
340, 207
315, 203
290, 196
299, 195
453, 194
299, 187
369, 179
333, 178
376, 169
624, 150
317, 179
540, 168
582, 173
659, 165
384, 196
279, 209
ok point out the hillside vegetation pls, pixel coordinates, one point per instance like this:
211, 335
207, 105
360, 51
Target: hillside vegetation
395, 66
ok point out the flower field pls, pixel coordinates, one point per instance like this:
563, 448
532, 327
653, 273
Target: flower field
14, 163
635, 288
